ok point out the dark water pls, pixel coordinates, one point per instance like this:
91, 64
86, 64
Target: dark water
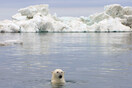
90, 60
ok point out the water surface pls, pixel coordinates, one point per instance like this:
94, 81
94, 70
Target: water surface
90, 60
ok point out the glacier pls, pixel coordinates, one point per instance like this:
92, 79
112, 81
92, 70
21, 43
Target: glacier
36, 18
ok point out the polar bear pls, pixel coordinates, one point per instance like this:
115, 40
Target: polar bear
58, 77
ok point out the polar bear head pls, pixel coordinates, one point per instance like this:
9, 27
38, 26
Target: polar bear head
58, 77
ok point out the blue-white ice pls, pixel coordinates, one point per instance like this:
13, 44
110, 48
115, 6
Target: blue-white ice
38, 19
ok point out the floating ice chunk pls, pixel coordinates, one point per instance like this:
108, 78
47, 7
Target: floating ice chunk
13, 42
10, 42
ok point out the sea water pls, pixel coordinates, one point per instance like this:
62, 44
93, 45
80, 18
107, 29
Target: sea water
90, 60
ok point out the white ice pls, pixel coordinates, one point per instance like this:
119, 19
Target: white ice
10, 42
37, 18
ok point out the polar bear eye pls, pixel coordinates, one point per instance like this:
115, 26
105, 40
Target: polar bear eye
57, 72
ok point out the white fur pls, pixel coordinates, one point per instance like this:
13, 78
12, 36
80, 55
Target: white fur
56, 80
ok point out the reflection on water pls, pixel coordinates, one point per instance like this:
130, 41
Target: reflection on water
103, 59
106, 43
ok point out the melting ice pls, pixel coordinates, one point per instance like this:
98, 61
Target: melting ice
38, 19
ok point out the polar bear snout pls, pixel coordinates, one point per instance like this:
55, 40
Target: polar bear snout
60, 76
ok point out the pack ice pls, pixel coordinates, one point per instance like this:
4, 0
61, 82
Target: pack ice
37, 18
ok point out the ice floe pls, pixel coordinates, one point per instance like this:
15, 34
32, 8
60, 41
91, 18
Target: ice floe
37, 18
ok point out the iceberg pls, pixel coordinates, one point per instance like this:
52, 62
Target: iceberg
114, 18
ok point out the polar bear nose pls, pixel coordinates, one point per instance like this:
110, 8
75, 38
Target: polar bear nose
60, 76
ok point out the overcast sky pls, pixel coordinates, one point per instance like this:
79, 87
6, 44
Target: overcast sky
61, 7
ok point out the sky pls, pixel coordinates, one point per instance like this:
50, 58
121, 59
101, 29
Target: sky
61, 7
